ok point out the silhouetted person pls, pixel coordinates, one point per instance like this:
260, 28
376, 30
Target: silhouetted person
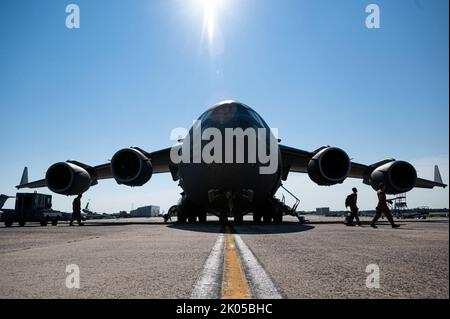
350, 202
383, 208
76, 211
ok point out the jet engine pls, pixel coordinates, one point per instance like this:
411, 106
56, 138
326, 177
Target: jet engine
329, 166
397, 176
67, 179
130, 167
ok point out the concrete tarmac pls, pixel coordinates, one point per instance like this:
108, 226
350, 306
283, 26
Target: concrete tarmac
145, 258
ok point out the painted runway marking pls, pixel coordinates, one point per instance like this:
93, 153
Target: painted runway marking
235, 284
209, 282
261, 285
232, 271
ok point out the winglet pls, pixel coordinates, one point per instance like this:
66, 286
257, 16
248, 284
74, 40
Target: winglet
437, 175
24, 179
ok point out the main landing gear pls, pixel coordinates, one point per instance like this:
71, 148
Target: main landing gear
273, 211
188, 212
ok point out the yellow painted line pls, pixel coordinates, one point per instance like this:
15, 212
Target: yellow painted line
234, 284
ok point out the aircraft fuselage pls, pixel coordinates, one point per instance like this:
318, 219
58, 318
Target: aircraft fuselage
236, 184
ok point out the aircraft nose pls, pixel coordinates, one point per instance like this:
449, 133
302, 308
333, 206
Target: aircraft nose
224, 113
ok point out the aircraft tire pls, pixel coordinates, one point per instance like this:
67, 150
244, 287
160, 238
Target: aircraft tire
256, 217
278, 217
192, 219
202, 217
267, 218
182, 219
181, 216
223, 219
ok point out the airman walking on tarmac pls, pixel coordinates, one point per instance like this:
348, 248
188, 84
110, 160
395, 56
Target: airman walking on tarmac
350, 202
383, 208
76, 211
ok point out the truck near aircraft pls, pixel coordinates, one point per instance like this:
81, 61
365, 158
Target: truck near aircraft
31, 207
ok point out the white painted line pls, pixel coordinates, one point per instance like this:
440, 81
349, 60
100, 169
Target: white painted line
259, 281
209, 283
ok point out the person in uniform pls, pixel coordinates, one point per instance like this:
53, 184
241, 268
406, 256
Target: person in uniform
383, 208
351, 203
76, 211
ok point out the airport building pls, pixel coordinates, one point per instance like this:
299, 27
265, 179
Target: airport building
322, 210
145, 211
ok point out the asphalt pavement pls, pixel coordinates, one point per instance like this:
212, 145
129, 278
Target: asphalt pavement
145, 258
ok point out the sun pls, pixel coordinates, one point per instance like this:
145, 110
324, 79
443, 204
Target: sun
211, 10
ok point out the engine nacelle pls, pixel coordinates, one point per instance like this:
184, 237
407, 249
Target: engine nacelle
67, 179
130, 167
329, 166
397, 176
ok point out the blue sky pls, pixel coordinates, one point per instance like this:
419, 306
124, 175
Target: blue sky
137, 69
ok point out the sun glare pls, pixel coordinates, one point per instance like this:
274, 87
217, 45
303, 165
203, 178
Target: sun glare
211, 10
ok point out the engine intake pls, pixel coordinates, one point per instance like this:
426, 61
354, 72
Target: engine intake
397, 176
330, 166
67, 179
130, 167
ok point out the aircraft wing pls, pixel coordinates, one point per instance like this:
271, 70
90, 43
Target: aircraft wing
36, 184
430, 184
160, 161
296, 160
97, 172
364, 171
424, 183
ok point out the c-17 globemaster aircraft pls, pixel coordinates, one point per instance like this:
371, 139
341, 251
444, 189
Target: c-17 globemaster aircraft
216, 166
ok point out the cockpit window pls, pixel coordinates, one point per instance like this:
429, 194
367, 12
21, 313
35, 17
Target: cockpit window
224, 113
228, 113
